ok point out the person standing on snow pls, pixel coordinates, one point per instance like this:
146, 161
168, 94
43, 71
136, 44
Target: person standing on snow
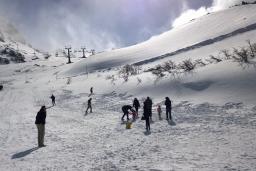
149, 106
146, 114
91, 90
136, 105
53, 100
168, 105
89, 106
40, 124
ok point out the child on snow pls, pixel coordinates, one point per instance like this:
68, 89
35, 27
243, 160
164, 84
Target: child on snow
159, 111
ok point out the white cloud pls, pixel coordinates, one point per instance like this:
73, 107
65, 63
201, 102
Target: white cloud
189, 15
217, 5
96, 24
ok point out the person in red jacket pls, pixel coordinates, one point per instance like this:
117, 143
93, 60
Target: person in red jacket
159, 111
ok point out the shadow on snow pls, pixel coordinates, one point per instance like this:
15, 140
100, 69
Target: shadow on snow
24, 153
172, 123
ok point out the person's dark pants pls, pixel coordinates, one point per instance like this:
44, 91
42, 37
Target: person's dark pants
125, 113
147, 123
41, 133
169, 113
89, 107
53, 102
137, 109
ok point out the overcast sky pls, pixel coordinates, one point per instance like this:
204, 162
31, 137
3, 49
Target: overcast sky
98, 24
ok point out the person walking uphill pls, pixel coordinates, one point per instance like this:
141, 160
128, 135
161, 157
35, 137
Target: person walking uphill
89, 106
40, 124
136, 105
168, 105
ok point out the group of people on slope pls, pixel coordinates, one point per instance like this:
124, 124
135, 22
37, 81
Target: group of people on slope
147, 113
147, 110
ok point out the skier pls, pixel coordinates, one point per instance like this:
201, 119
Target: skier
53, 100
146, 114
125, 110
149, 103
136, 105
159, 111
40, 124
168, 105
89, 106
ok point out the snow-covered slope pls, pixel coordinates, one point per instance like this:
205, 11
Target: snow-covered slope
214, 119
203, 31
208, 35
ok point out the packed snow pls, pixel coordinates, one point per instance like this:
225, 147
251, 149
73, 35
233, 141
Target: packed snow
214, 106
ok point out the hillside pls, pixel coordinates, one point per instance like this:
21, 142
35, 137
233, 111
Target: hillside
207, 30
198, 39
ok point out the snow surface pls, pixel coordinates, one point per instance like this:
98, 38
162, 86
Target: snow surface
214, 107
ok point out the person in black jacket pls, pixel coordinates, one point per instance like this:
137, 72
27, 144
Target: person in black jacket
53, 100
125, 110
91, 90
136, 105
146, 114
40, 123
89, 106
149, 103
168, 105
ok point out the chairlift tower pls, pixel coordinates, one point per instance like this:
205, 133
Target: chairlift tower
68, 48
83, 49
